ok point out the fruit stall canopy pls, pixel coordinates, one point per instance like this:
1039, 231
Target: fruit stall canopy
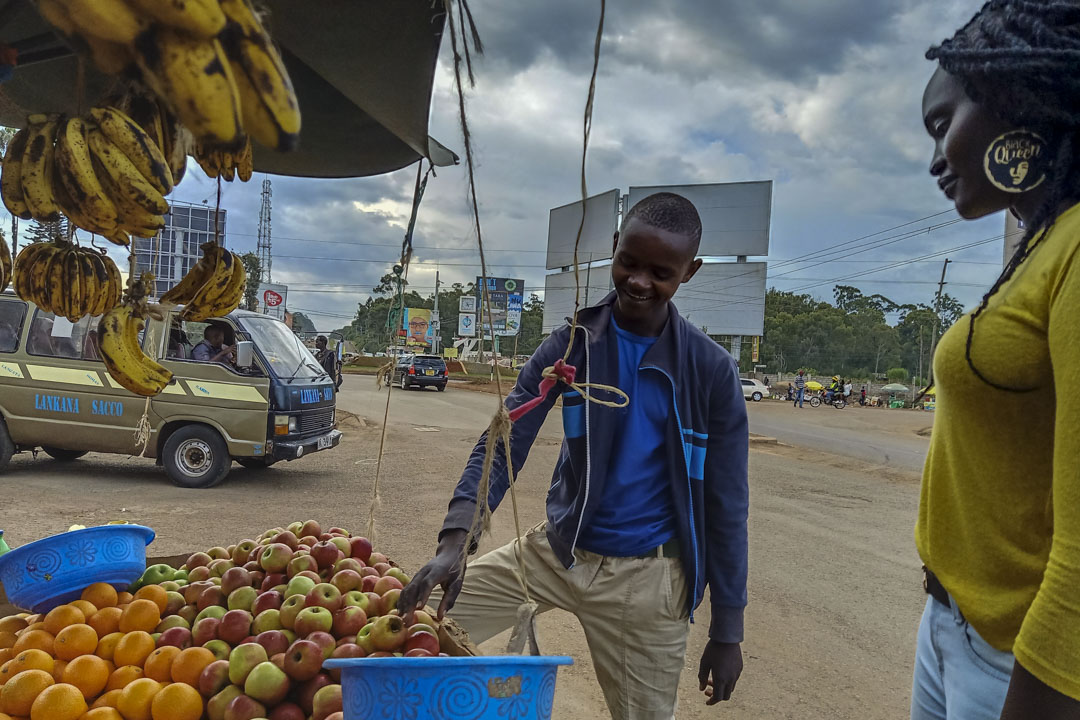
363, 71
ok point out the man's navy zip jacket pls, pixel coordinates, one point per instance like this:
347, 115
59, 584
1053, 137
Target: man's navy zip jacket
708, 444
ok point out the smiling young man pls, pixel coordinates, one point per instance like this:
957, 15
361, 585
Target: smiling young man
648, 503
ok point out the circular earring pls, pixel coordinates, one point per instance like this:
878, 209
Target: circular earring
1017, 161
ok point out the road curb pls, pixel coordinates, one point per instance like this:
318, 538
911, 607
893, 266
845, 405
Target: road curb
762, 440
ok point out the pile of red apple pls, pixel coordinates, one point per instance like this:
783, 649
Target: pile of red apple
273, 609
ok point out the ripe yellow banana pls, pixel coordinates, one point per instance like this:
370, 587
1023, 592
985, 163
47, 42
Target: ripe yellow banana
110, 57
118, 339
6, 266
200, 273
37, 168
195, 79
136, 145
11, 179
176, 140
270, 108
245, 163
202, 18
50, 297
30, 266
123, 174
234, 293
76, 170
73, 297
112, 20
74, 211
56, 14
205, 303
115, 283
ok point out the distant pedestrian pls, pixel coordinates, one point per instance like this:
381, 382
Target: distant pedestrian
790, 391
862, 398
847, 389
766, 381
800, 389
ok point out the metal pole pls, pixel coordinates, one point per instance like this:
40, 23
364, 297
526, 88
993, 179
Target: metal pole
436, 328
937, 320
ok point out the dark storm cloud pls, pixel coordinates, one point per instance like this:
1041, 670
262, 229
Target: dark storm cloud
792, 39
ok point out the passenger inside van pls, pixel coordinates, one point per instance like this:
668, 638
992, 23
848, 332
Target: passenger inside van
179, 344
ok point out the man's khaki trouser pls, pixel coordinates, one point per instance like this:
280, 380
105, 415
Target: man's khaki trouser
633, 611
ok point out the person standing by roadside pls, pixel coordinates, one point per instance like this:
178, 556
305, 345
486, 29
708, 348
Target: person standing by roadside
999, 515
800, 389
648, 502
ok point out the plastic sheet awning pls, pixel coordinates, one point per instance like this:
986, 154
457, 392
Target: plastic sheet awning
363, 71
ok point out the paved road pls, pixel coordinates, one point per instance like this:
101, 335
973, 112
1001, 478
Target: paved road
874, 435
877, 436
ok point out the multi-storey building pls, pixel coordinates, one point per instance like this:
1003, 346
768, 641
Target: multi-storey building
176, 248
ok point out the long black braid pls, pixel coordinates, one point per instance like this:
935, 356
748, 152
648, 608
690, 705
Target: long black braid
1020, 60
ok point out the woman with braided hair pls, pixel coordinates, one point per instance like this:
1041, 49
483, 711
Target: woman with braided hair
999, 516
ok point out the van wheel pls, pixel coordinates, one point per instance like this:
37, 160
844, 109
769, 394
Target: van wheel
61, 454
195, 456
7, 447
256, 463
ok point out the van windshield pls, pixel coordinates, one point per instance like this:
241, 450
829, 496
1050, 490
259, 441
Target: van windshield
282, 349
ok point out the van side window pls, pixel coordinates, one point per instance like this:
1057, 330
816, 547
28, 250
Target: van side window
59, 337
12, 315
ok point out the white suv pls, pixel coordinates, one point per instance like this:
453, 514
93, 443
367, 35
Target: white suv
753, 389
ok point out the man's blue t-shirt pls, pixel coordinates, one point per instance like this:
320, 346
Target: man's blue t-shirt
635, 513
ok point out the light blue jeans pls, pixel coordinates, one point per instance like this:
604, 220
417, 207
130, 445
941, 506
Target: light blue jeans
958, 675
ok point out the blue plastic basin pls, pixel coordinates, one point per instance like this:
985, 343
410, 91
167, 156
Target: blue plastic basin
451, 688
55, 570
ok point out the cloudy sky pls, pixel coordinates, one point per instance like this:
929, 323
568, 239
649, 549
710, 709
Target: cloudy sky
821, 96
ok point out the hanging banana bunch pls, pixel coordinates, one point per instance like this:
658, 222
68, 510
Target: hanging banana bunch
210, 61
118, 340
5, 265
225, 164
213, 287
67, 280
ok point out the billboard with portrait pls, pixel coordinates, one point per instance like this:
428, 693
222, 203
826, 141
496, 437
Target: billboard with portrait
417, 327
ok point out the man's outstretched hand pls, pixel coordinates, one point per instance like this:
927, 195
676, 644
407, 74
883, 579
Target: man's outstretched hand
721, 666
446, 569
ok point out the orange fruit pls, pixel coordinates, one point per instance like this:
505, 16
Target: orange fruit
140, 615
123, 597
137, 698
189, 664
158, 665
28, 660
109, 699
89, 673
102, 595
87, 608
39, 625
62, 616
155, 593
34, 640
19, 693
7, 639
5, 716
106, 646
58, 702
75, 640
58, 670
5, 655
133, 649
121, 677
13, 623
105, 621
103, 713
177, 702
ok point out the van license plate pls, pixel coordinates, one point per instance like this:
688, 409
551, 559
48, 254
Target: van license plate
325, 442
429, 372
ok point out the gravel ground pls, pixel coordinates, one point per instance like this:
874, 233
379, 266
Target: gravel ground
834, 584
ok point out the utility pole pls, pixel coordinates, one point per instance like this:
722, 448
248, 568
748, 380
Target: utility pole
937, 318
435, 327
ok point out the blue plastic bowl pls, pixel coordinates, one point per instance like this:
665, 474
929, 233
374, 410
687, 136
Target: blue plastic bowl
55, 570
449, 688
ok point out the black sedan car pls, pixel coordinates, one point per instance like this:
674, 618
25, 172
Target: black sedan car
420, 371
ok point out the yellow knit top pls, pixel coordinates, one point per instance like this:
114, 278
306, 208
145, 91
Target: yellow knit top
999, 514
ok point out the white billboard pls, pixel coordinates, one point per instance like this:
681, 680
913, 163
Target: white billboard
466, 325
559, 292
725, 299
735, 217
271, 299
596, 237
